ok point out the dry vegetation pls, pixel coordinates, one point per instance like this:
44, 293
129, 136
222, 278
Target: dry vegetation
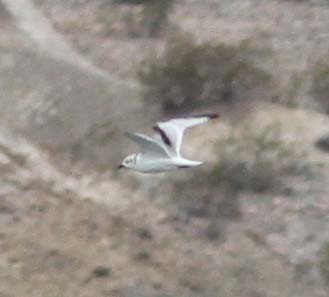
249, 161
188, 75
253, 221
257, 160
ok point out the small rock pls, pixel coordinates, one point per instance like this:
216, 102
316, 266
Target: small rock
142, 255
144, 233
102, 271
323, 143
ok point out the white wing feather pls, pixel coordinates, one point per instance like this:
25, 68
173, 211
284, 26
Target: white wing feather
172, 131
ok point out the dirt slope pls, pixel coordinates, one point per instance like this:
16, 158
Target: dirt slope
84, 233
55, 96
69, 230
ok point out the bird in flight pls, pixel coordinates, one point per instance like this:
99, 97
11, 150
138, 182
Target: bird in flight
162, 152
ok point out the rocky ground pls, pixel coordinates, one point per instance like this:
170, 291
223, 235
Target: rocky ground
71, 225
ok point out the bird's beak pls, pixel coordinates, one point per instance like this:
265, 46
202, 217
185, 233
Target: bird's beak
120, 166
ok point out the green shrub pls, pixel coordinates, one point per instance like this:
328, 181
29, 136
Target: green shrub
188, 75
320, 85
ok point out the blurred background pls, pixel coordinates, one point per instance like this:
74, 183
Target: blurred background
252, 222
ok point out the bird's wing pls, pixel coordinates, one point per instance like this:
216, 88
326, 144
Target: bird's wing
148, 145
172, 131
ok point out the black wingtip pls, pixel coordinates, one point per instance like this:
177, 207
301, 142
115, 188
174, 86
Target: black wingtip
211, 115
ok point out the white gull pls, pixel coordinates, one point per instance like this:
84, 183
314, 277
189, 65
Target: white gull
162, 152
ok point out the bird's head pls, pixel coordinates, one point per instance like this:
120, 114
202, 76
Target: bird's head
128, 162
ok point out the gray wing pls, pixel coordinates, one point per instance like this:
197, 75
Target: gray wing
172, 131
148, 145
